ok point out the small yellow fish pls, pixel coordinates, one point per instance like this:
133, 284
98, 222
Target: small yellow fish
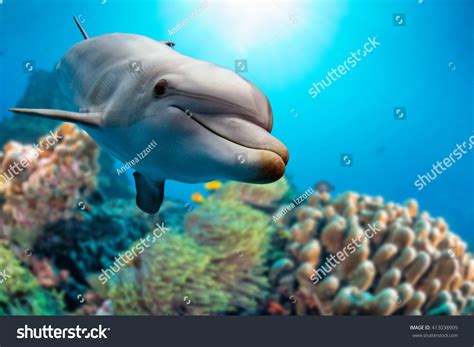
198, 198
213, 185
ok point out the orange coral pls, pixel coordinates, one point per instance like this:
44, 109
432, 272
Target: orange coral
414, 265
53, 177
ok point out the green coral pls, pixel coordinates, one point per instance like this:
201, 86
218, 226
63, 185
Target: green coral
20, 292
237, 236
174, 276
215, 267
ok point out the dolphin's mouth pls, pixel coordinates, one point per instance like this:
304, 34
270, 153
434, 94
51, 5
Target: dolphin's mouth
239, 130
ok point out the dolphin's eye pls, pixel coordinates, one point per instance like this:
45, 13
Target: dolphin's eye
160, 87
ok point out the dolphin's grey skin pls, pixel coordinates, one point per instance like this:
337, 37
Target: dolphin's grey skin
207, 121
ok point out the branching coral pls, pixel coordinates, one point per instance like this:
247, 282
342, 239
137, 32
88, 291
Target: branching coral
413, 265
237, 236
20, 293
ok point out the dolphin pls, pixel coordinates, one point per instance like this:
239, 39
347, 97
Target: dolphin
206, 122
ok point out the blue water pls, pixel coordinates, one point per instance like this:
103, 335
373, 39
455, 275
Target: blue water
425, 66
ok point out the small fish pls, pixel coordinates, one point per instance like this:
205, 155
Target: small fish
213, 185
324, 187
275, 308
135, 262
198, 198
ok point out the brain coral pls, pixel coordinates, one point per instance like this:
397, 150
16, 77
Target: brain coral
20, 292
413, 265
49, 188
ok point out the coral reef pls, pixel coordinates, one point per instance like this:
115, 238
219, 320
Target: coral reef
224, 256
237, 236
20, 292
53, 178
89, 242
215, 267
174, 276
412, 264
52, 209
263, 196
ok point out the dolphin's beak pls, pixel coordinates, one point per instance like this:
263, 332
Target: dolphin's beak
264, 157
244, 133
235, 110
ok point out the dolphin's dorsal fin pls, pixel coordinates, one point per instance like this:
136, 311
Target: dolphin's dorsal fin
90, 119
83, 32
149, 194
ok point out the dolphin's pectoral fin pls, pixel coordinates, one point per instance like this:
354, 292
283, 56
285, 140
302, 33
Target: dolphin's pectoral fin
90, 118
149, 193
